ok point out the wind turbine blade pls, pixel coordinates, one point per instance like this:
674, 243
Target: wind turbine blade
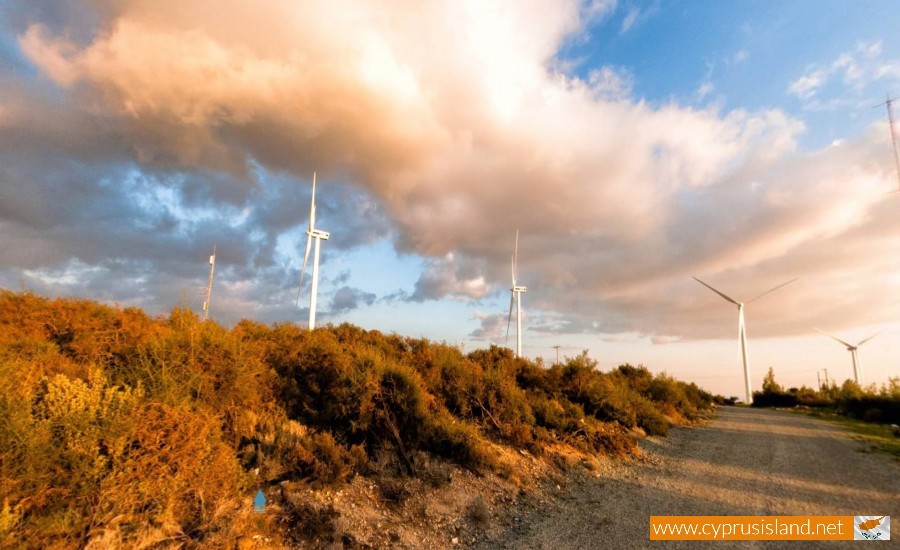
303, 269
867, 339
772, 290
513, 270
509, 319
312, 207
729, 298
516, 250
848, 344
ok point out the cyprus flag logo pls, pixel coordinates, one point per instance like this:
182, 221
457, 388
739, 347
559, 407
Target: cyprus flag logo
871, 527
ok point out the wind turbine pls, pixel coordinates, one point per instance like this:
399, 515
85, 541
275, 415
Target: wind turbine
857, 368
212, 267
515, 297
742, 329
318, 235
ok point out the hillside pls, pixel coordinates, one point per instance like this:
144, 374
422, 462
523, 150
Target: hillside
120, 429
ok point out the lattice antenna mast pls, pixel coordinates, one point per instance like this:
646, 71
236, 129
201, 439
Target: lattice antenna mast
212, 268
890, 113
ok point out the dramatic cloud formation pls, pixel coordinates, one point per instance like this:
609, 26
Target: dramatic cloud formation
134, 135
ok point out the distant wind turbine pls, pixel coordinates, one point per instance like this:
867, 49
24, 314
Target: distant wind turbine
515, 297
742, 330
212, 267
857, 368
318, 235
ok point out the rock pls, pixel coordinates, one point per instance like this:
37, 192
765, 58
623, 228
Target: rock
454, 541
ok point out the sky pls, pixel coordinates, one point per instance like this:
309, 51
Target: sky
632, 145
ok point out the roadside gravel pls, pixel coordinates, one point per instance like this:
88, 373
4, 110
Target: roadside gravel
745, 462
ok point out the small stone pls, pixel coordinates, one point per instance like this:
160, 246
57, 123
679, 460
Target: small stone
454, 541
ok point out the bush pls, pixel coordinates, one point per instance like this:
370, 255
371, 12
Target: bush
119, 429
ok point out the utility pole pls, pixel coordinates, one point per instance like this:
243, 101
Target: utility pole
826, 377
212, 267
888, 103
557, 353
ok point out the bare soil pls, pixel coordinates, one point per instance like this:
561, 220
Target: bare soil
746, 462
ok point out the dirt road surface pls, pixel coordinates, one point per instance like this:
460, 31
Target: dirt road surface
745, 462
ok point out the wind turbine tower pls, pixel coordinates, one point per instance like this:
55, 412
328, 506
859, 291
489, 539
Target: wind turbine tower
318, 235
888, 104
212, 268
515, 297
742, 330
857, 368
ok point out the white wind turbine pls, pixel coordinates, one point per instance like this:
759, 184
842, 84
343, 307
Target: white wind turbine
515, 297
857, 368
318, 235
212, 268
742, 329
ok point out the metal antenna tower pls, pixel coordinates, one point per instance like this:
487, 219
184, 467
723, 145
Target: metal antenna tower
888, 103
212, 267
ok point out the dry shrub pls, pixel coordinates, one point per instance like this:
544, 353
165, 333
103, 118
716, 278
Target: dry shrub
171, 477
434, 472
306, 522
478, 511
394, 490
119, 429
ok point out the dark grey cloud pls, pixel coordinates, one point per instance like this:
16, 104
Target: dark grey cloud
347, 299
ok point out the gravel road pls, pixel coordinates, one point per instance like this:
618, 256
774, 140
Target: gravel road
745, 462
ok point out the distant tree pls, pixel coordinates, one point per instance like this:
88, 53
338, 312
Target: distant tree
850, 390
769, 384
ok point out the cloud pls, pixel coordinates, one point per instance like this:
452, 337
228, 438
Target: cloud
492, 327
611, 83
704, 90
630, 18
347, 299
807, 85
857, 70
598, 10
446, 277
159, 130
636, 16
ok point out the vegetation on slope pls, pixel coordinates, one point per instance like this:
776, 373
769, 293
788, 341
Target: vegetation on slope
121, 429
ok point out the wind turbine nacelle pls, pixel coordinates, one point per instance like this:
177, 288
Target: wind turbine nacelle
518, 289
319, 234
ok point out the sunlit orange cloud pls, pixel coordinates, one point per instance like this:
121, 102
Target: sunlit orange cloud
456, 117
